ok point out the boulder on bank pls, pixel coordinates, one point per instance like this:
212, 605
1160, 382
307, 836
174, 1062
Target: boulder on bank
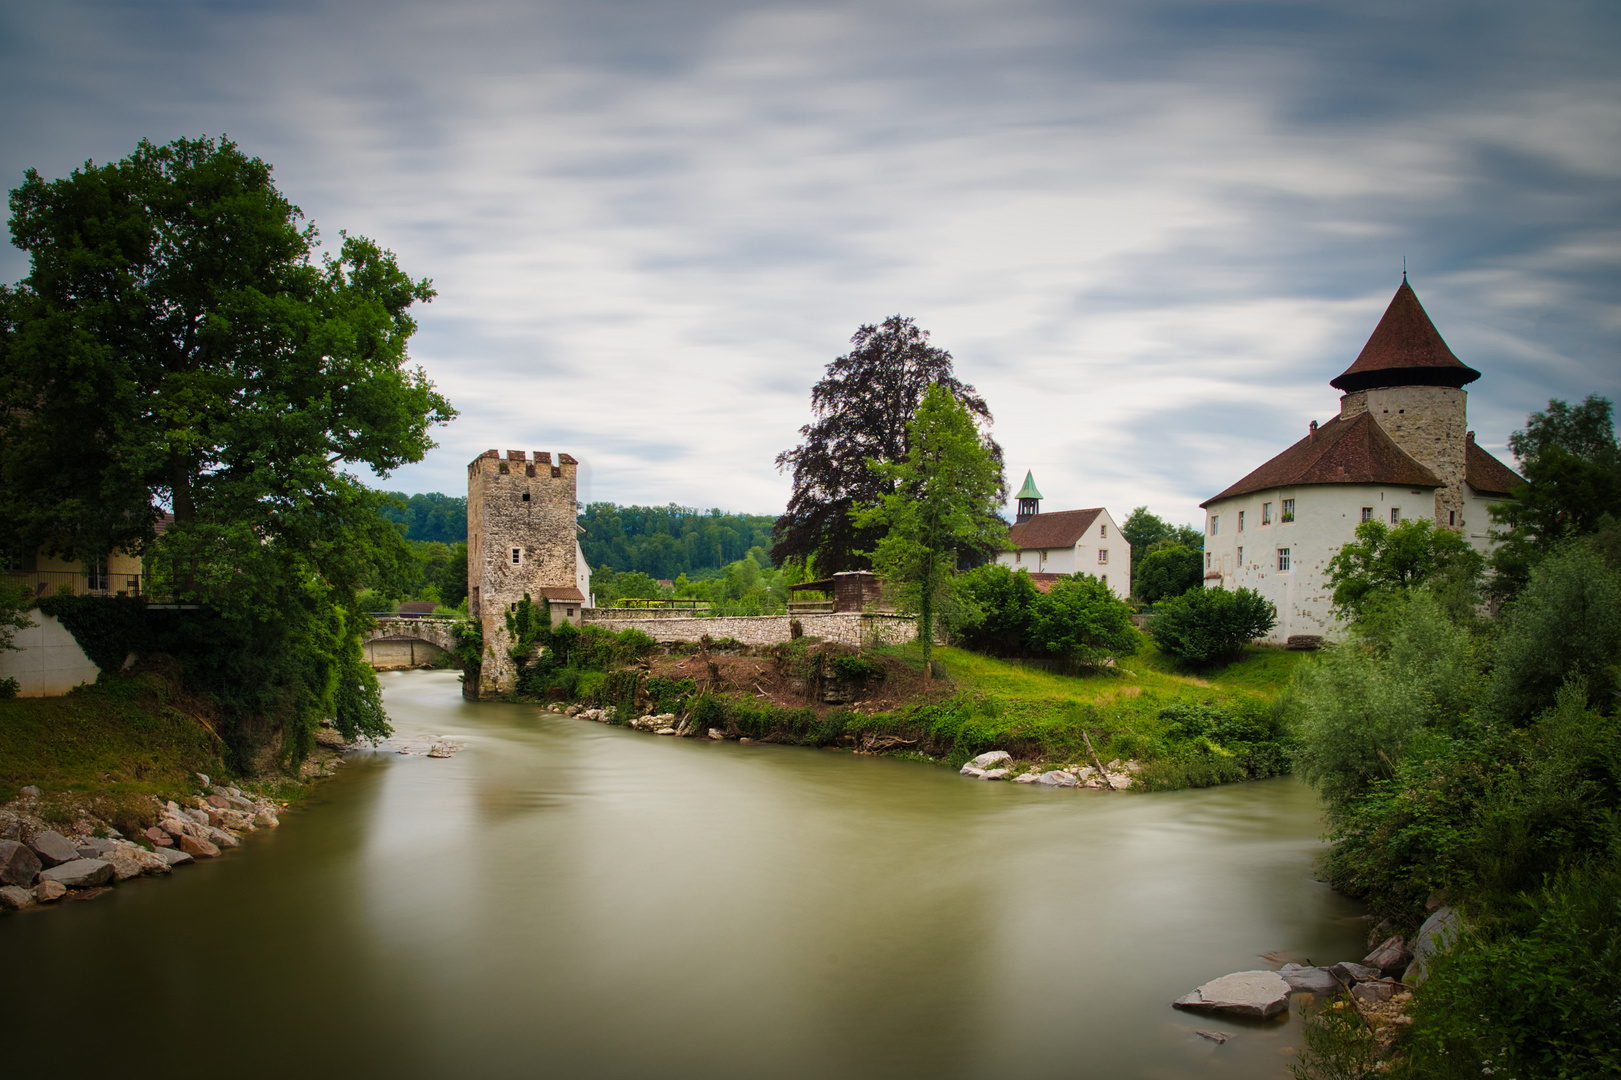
15, 897
1310, 980
1391, 958
1354, 973
80, 873
53, 848
197, 849
174, 858
1436, 935
1057, 778
990, 759
47, 892
1259, 994
18, 864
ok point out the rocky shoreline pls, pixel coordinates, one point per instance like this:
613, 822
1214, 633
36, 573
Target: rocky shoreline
41, 865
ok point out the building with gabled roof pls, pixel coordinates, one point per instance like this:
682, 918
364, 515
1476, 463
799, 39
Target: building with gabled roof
1066, 542
1399, 448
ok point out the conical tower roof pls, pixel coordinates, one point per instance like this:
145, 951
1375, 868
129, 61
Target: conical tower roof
1029, 490
1405, 350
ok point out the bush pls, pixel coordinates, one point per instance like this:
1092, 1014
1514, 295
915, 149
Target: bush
996, 605
1170, 571
856, 668
1080, 619
1207, 625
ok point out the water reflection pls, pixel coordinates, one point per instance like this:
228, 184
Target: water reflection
565, 899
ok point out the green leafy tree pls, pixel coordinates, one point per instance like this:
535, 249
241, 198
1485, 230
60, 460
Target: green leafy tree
944, 501
1207, 625
1571, 462
13, 613
1167, 571
1147, 533
994, 604
177, 343
1383, 560
1081, 619
864, 409
452, 577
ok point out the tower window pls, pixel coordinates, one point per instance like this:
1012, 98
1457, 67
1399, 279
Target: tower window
526, 496
1395, 514
1452, 517
1241, 521
1215, 524
1283, 560
1367, 513
1266, 513
1207, 560
517, 556
1288, 510
1241, 558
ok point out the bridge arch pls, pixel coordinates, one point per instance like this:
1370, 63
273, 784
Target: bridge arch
397, 643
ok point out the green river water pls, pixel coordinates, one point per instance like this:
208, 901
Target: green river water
566, 899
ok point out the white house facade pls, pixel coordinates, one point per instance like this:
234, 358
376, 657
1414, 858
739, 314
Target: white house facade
1399, 448
1067, 542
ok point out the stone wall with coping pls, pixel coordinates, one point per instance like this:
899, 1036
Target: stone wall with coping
847, 628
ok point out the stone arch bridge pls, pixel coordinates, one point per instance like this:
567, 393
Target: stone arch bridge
409, 642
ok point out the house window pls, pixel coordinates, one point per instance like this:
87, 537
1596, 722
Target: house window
1215, 524
99, 581
1266, 513
517, 556
1103, 555
1103, 532
1288, 510
1105, 579
1241, 521
1241, 558
1207, 560
571, 612
1395, 514
1367, 513
1283, 559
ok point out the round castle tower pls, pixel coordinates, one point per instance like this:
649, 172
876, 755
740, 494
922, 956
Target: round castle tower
1414, 387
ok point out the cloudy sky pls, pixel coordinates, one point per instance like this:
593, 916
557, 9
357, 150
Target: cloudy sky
1149, 232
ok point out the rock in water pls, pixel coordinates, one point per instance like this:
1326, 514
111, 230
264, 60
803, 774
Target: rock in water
15, 897
49, 891
1057, 778
198, 849
1372, 992
1354, 973
1245, 993
1311, 980
1217, 1037
1436, 935
81, 873
18, 864
985, 761
174, 858
995, 774
53, 848
1391, 958
266, 819
973, 771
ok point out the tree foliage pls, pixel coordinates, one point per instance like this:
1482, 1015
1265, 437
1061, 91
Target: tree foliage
667, 541
430, 517
942, 505
1081, 619
996, 605
1383, 560
1571, 462
177, 343
863, 410
1148, 533
1206, 625
1169, 570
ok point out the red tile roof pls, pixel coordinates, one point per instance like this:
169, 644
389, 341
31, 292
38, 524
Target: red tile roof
1044, 582
1405, 350
1056, 530
562, 592
1354, 451
1486, 474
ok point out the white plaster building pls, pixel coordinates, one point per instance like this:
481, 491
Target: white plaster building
1066, 542
1399, 448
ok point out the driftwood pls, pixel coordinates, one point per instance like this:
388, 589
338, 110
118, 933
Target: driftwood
878, 744
1103, 773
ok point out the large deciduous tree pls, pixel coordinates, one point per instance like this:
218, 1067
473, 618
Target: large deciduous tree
863, 410
942, 504
177, 343
1385, 560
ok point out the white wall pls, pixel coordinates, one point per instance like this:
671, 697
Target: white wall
50, 663
1102, 535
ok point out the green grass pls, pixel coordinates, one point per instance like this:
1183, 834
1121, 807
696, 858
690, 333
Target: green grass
118, 738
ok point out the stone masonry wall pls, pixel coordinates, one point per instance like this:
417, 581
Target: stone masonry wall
524, 504
1430, 423
847, 628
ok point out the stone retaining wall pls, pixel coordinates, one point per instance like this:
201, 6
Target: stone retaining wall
846, 628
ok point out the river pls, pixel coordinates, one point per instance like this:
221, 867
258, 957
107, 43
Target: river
567, 899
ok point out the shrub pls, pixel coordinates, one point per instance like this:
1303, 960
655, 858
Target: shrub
1206, 625
995, 603
856, 668
1080, 619
1167, 572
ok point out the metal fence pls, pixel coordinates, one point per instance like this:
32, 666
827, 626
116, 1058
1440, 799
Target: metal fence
38, 583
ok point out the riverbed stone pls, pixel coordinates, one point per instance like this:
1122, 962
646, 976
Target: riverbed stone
973, 771
1027, 778
47, 892
996, 774
1370, 993
53, 848
174, 857
266, 819
1310, 980
1057, 778
1437, 934
80, 873
1259, 994
990, 758
131, 860
158, 837
198, 849
222, 839
218, 802
1391, 958
15, 897
18, 864
1355, 973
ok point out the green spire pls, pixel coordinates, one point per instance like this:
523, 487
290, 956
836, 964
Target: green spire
1029, 490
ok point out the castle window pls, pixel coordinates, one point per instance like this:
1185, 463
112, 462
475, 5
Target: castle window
571, 611
1207, 560
1395, 514
1288, 510
1283, 560
1266, 513
1452, 517
526, 496
1215, 524
1103, 555
1241, 558
502, 468
1241, 521
1367, 513
517, 556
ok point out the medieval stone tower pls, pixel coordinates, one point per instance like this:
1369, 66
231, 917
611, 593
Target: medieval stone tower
521, 540
1414, 387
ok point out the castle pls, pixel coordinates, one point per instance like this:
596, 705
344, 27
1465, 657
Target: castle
1399, 448
522, 540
